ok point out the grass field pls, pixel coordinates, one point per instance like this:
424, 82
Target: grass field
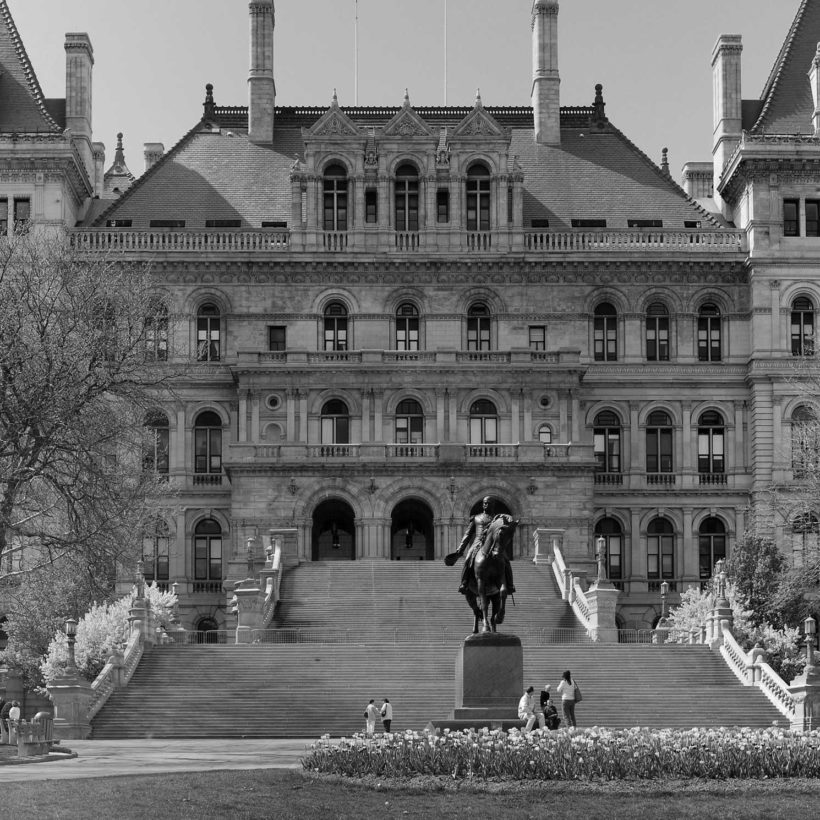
289, 794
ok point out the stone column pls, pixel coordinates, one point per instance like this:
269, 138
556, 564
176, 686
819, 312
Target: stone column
602, 599
71, 696
248, 605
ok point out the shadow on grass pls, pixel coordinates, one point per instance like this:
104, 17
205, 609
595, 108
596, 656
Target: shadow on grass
286, 794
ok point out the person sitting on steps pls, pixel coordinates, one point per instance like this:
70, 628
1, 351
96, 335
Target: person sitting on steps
473, 540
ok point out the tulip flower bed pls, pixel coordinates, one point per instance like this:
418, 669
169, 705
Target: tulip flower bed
584, 754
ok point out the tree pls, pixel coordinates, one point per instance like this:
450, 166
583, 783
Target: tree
756, 567
83, 358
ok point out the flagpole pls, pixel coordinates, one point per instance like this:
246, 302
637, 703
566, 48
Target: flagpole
445, 53
356, 54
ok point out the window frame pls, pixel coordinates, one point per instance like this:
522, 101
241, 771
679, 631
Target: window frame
406, 199
660, 444
605, 333
209, 333
335, 199
483, 422
408, 424
478, 199
607, 431
156, 450
537, 337
479, 327
335, 327
207, 443
408, 325
657, 332
711, 443
156, 553
802, 316
660, 545
710, 548
208, 550
334, 422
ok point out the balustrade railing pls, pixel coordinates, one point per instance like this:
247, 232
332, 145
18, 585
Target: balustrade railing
334, 240
662, 479
712, 478
123, 239
399, 451
634, 240
775, 689
408, 240
613, 479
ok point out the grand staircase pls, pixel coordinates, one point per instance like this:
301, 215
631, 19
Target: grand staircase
348, 632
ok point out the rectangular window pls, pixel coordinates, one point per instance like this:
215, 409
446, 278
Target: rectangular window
812, 217
791, 217
276, 337
659, 450
166, 223
4, 217
614, 555
538, 337
442, 206
281, 225
119, 223
644, 223
371, 206
539, 223
22, 215
509, 206
710, 451
223, 223
588, 223
607, 449
660, 558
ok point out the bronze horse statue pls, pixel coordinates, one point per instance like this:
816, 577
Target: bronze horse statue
486, 587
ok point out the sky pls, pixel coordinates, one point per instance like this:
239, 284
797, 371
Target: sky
154, 57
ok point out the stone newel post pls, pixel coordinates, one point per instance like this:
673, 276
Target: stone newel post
805, 688
602, 599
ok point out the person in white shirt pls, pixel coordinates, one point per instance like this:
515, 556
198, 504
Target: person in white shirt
526, 710
371, 715
14, 712
566, 689
387, 714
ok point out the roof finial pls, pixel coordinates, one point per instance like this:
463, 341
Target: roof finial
665, 161
208, 106
335, 100
119, 156
406, 98
599, 105
478, 97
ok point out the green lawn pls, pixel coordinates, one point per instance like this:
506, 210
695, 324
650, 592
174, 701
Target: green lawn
285, 794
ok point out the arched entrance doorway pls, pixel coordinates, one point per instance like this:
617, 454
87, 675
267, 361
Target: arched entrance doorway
411, 531
207, 631
500, 507
334, 532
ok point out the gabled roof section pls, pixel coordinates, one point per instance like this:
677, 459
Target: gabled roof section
335, 123
478, 123
407, 123
787, 100
23, 108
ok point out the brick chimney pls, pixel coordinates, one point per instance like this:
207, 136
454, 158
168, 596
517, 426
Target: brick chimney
79, 63
152, 151
814, 80
546, 98
727, 103
261, 87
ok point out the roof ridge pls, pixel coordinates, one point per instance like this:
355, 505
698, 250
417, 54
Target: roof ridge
666, 177
25, 64
148, 174
773, 81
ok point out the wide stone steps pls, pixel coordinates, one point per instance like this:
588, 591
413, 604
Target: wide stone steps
353, 631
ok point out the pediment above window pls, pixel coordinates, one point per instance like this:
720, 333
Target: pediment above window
478, 123
407, 123
334, 123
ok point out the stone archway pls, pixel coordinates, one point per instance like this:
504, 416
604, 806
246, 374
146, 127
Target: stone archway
334, 531
411, 531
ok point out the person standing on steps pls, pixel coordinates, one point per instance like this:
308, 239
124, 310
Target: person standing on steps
387, 714
526, 710
473, 540
548, 708
567, 689
371, 715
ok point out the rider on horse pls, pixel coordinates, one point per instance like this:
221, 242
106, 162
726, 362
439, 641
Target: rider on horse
473, 540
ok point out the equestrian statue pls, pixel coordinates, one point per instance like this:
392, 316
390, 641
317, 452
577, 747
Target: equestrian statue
486, 578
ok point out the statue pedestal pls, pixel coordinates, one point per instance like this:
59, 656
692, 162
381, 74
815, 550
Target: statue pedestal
489, 683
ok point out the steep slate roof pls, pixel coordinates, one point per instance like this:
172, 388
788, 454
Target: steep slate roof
787, 100
23, 108
217, 173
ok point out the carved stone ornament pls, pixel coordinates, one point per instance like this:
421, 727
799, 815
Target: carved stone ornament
407, 124
478, 123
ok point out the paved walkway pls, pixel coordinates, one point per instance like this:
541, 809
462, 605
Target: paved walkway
109, 758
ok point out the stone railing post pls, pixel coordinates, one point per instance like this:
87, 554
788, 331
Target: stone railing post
248, 605
71, 696
602, 599
805, 688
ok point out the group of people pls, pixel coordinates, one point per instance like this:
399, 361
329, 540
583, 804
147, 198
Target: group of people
372, 713
547, 713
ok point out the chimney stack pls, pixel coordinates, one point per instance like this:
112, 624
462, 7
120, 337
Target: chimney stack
152, 151
79, 63
814, 80
727, 102
546, 98
261, 87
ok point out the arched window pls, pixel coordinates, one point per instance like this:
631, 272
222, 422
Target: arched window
660, 549
711, 546
336, 326
607, 442
657, 333
545, 434
605, 333
483, 422
610, 530
155, 452
335, 422
208, 333
407, 327
709, 334
479, 327
659, 443
478, 198
155, 551
711, 444
335, 198
805, 442
407, 198
409, 422
208, 551
156, 333
805, 532
207, 446
802, 327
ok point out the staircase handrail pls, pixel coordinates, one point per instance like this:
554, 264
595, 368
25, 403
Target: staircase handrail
736, 659
776, 690
116, 673
571, 589
274, 584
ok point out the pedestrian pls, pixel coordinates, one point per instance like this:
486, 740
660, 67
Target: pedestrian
551, 718
14, 712
568, 689
526, 710
371, 715
387, 714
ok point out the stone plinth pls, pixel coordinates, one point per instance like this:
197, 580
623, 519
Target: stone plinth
489, 681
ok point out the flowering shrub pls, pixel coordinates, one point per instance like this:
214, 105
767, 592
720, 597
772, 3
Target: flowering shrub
624, 754
101, 631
